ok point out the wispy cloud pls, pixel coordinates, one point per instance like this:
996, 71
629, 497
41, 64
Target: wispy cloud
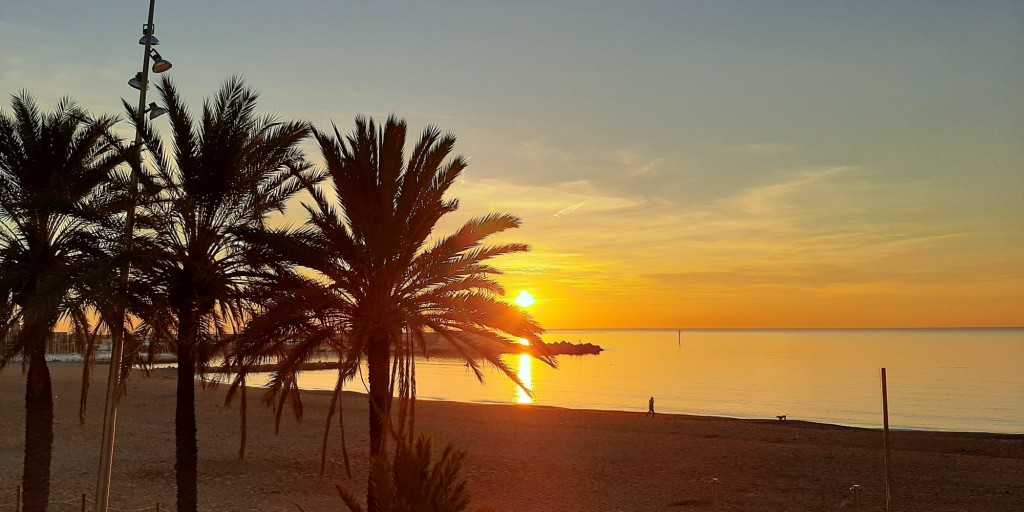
636, 164
540, 201
569, 209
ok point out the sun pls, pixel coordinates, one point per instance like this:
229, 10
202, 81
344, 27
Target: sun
525, 299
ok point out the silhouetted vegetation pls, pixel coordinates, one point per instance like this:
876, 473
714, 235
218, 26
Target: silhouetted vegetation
380, 286
414, 481
364, 276
222, 176
58, 185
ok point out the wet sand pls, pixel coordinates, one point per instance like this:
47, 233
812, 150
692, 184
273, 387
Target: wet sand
519, 458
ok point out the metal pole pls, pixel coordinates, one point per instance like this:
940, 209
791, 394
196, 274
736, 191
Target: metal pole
117, 331
885, 445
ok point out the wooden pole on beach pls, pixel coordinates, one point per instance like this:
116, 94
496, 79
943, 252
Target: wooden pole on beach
885, 445
714, 493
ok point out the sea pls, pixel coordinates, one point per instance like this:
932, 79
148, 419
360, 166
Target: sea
968, 380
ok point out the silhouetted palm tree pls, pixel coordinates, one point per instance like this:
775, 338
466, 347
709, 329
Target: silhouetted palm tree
226, 174
380, 280
57, 182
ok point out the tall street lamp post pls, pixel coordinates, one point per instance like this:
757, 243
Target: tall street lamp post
140, 82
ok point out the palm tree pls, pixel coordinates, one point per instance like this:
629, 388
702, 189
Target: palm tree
381, 280
225, 175
57, 181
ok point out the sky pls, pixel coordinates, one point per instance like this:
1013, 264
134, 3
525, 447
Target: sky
676, 164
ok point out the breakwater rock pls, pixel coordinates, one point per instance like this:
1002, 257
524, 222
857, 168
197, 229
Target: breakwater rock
566, 348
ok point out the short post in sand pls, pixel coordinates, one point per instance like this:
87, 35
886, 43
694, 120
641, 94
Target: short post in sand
885, 445
714, 494
856, 496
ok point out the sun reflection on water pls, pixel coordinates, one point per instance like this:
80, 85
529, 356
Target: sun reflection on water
525, 374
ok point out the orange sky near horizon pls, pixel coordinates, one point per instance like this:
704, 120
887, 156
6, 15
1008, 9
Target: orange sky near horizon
750, 277
600, 294
663, 309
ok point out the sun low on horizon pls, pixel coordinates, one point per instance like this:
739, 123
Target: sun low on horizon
525, 299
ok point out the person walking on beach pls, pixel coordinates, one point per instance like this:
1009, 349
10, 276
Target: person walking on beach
650, 407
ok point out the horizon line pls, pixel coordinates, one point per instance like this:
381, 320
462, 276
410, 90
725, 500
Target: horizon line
904, 328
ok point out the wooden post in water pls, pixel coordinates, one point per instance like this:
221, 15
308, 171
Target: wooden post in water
885, 445
17, 499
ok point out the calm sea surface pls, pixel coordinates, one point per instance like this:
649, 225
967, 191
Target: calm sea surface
964, 380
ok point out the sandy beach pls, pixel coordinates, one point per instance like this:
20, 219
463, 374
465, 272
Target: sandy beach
519, 458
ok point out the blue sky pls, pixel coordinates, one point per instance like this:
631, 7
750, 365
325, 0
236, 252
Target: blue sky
688, 163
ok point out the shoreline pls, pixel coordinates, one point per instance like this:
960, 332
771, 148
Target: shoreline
518, 458
692, 416
317, 367
75, 359
699, 417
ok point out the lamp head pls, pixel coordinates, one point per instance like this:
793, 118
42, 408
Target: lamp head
147, 35
159, 63
155, 111
136, 81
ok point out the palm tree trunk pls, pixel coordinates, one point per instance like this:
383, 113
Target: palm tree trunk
35, 478
378, 367
377, 356
186, 446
